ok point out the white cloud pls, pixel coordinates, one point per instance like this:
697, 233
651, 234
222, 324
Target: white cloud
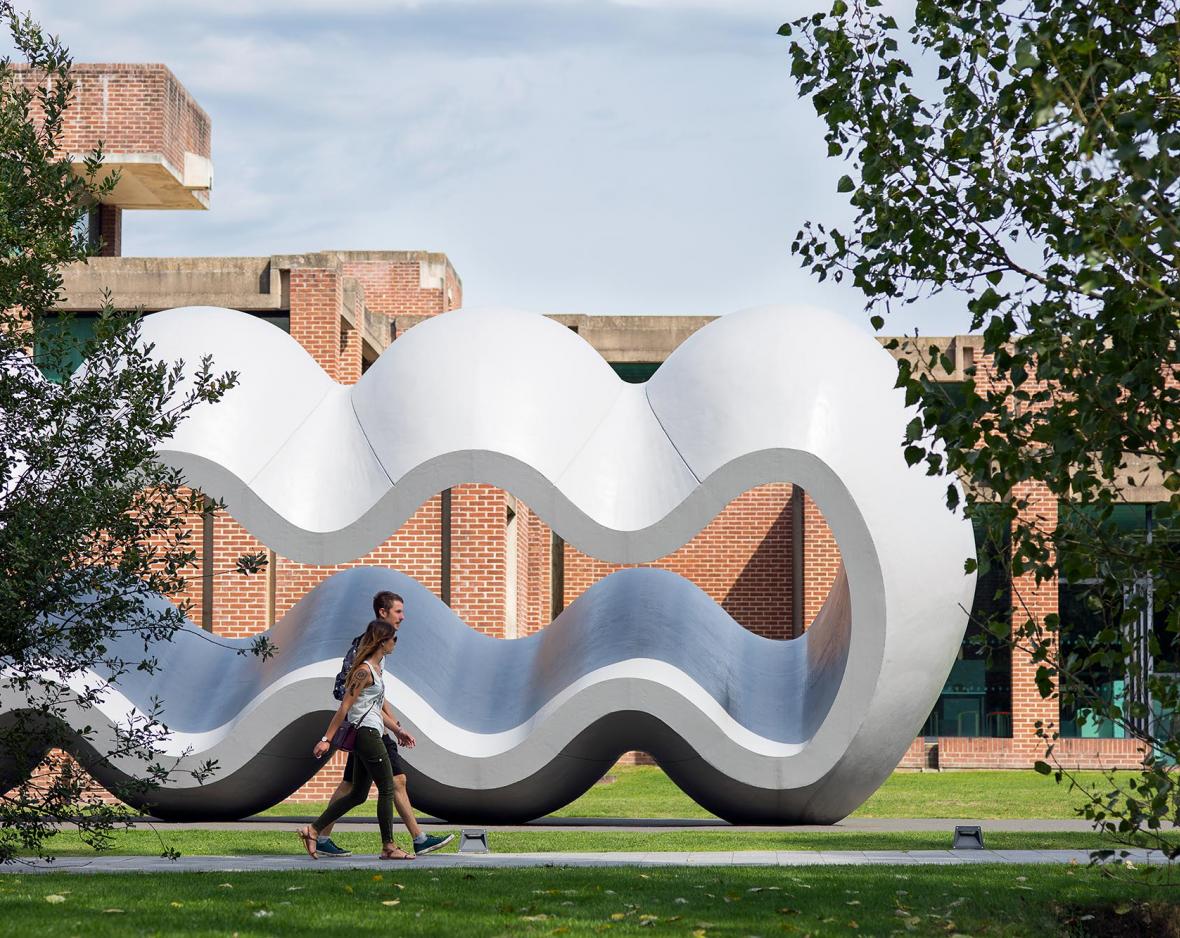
618, 156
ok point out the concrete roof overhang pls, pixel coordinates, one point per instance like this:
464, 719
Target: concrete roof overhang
149, 181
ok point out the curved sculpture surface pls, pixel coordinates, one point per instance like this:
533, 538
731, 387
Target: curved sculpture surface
755, 730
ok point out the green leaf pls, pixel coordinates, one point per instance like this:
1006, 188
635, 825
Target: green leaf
845, 184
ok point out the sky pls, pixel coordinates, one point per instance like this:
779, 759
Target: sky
613, 157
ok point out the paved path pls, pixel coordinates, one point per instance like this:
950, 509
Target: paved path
292, 862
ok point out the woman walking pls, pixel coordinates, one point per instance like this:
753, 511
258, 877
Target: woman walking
362, 705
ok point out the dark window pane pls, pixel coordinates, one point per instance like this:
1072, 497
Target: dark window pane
635, 372
977, 697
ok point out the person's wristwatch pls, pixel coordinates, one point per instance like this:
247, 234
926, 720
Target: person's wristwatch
323, 739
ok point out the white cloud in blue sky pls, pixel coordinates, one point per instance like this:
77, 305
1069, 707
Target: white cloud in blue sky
627, 157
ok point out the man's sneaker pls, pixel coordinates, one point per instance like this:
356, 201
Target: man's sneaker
328, 848
432, 843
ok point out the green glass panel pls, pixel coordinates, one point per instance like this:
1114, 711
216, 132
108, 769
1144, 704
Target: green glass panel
70, 333
977, 697
635, 372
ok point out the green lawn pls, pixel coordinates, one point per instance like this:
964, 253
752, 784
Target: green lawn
919, 901
646, 792
146, 842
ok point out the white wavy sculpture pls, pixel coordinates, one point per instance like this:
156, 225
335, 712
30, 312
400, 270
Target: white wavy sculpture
801, 731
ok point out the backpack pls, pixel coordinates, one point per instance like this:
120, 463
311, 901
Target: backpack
338, 689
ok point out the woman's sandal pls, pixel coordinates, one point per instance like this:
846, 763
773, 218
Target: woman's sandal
399, 855
309, 842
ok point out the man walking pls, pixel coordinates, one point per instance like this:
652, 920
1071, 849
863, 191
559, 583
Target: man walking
390, 607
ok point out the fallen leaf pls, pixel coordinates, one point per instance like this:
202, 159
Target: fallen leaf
400, 886
391, 902
787, 910
177, 905
112, 911
680, 900
228, 886
294, 888
263, 913
617, 916
377, 877
852, 924
853, 902
54, 899
348, 889
1121, 909
539, 917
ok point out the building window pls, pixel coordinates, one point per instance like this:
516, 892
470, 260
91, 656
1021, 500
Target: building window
60, 343
1090, 606
635, 372
977, 697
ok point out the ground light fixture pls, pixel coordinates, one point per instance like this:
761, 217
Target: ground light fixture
473, 840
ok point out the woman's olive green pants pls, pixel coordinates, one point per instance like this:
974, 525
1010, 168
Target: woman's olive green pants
370, 764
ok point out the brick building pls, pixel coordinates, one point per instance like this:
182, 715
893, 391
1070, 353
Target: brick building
768, 558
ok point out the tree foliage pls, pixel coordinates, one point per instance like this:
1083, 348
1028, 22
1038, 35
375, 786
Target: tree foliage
92, 528
1021, 159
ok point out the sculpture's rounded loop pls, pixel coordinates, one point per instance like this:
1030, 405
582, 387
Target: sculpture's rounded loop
755, 730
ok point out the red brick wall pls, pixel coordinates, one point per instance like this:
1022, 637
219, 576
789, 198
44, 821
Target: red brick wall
240, 603
132, 109
1030, 601
533, 551
413, 550
821, 560
478, 522
317, 295
742, 559
394, 284
110, 230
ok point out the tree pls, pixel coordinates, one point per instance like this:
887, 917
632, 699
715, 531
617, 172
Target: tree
1024, 157
92, 527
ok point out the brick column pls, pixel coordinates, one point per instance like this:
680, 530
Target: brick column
317, 296
348, 368
110, 230
478, 526
821, 560
1030, 600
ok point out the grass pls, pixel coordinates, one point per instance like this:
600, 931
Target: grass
646, 792
196, 842
921, 901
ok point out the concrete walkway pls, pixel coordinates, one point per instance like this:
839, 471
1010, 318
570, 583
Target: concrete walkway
293, 862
